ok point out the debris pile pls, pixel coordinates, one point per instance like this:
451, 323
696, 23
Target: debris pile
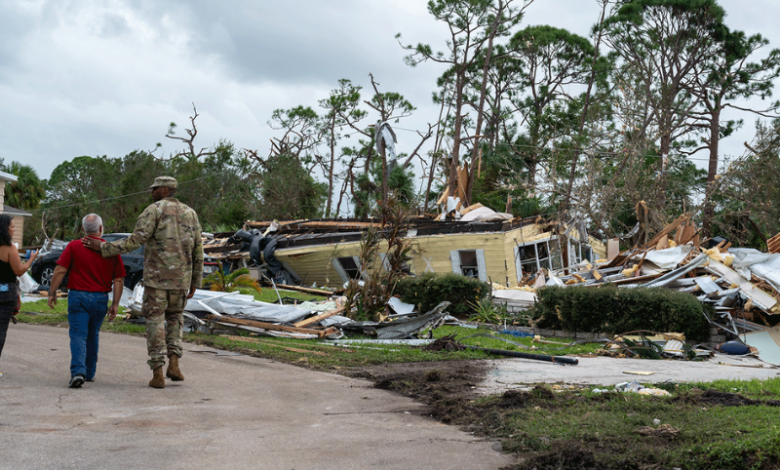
742, 284
209, 312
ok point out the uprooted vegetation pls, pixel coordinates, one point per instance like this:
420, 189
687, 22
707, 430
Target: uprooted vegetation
701, 428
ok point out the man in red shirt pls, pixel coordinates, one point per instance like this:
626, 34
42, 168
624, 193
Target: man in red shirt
91, 277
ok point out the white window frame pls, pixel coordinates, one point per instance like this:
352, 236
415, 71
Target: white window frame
481, 265
575, 252
546, 263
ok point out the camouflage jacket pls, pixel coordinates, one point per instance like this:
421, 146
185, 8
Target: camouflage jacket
173, 252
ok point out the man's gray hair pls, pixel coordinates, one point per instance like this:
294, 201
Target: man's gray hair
91, 223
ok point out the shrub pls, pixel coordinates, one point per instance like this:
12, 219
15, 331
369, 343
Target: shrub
428, 290
609, 309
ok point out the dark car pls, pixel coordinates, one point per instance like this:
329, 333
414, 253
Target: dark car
43, 267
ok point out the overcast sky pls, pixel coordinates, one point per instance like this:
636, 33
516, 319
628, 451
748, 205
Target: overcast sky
84, 77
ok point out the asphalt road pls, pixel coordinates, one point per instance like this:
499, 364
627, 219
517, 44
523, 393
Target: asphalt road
230, 413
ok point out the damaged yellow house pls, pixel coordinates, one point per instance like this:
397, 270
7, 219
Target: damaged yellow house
325, 253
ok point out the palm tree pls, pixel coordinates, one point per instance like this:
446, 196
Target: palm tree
27, 191
221, 282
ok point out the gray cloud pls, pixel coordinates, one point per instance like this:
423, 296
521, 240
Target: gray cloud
96, 77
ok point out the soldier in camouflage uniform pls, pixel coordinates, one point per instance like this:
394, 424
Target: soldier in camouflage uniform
173, 269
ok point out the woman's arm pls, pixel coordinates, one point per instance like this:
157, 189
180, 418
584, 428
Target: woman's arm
15, 261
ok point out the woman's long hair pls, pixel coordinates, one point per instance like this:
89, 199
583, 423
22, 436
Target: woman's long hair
5, 235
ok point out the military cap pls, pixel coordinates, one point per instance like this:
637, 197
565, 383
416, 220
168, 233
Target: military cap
165, 182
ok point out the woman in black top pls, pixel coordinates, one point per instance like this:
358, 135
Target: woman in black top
11, 266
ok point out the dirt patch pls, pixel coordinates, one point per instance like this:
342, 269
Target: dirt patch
447, 343
448, 388
540, 395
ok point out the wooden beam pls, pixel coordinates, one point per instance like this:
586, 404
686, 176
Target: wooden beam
773, 244
692, 236
666, 231
268, 343
318, 318
471, 208
306, 290
272, 326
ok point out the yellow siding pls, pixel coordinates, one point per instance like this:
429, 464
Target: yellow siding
315, 263
429, 253
19, 223
436, 249
599, 248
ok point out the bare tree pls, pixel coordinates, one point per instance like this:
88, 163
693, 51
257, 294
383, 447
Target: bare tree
189, 141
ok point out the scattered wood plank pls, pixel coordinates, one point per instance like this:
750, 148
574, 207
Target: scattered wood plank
633, 280
272, 326
666, 231
471, 208
306, 290
678, 235
691, 237
444, 196
773, 244
639, 269
318, 318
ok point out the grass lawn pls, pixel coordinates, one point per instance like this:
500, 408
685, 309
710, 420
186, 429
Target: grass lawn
320, 354
586, 430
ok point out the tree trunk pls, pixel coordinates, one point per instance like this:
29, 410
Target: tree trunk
459, 84
480, 110
332, 164
666, 146
709, 208
384, 176
430, 182
586, 106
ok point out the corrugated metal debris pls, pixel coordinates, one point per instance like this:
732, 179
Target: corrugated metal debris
208, 311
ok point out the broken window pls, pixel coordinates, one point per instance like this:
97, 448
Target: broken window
556, 254
578, 252
407, 267
528, 260
348, 267
470, 263
531, 257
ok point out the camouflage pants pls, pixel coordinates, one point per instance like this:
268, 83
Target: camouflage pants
161, 306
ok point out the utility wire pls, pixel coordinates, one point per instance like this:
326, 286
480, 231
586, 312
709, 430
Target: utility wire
64, 206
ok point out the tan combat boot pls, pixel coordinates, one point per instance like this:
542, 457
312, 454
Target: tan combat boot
158, 381
173, 368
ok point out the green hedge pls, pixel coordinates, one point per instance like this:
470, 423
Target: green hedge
608, 309
428, 290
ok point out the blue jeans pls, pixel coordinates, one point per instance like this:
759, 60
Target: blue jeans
86, 311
